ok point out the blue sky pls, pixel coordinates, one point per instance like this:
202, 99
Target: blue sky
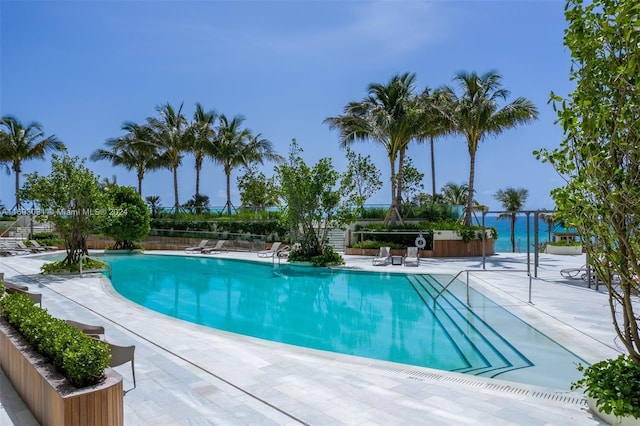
82, 68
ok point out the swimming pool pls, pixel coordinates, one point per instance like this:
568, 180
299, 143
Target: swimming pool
387, 316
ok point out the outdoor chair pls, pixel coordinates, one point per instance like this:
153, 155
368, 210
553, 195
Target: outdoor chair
383, 257
36, 244
198, 248
214, 249
96, 331
121, 355
413, 257
36, 298
272, 251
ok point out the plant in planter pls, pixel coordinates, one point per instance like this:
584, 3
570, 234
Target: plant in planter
614, 384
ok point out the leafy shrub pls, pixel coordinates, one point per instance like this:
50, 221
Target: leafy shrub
62, 266
614, 384
565, 243
374, 244
328, 258
80, 358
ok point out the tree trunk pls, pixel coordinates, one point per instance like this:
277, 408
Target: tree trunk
472, 171
198, 168
17, 169
140, 176
513, 232
176, 204
433, 170
228, 177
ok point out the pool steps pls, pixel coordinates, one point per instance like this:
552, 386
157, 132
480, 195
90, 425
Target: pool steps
490, 354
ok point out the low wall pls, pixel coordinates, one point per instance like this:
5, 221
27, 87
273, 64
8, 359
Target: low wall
51, 399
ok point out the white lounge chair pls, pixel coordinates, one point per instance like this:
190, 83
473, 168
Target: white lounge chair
36, 244
574, 273
383, 257
214, 249
275, 247
413, 257
198, 248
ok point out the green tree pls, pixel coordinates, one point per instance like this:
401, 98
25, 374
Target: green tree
454, 194
361, 180
133, 151
389, 115
172, 136
236, 146
72, 199
153, 202
512, 201
313, 200
476, 113
127, 220
24, 142
434, 109
256, 190
599, 156
203, 137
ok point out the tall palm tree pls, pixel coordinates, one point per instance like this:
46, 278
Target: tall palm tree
236, 146
203, 136
24, 142
512, 201
434, 108
172, 136
389, 116
133, 151
476, 114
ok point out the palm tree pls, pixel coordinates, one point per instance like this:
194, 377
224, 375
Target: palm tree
434, 109
454, 194
512, 201
389, 116
476, 114
203, 135
21, 143
172, 137
235, 146
133, 151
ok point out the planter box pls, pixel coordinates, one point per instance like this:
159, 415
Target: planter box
51, 399
610, 418
565, 250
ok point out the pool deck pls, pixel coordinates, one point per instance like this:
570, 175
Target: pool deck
191, 375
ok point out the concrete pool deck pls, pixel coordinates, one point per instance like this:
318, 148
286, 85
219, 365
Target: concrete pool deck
189, 374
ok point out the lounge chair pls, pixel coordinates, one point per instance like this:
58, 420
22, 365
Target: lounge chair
574, 273
383, 257
96, 331
22, 246
121, 355
413, 257
275, 247
36, 244
214, 249
198, 248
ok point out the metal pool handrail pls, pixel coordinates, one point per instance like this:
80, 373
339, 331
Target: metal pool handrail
480, 270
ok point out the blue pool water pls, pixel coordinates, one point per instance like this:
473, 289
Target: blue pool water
387, 316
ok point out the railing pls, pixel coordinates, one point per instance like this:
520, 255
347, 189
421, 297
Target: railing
480, 270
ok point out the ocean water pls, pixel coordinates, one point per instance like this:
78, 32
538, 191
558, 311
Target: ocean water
503, 243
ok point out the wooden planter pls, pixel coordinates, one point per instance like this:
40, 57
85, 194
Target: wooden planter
441, 248
49, 396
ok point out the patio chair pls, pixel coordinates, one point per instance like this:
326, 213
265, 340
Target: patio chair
275, 247
214, 249
36, 244
413, 257
96, 331
22, 246
15, 286
36, 298
383, 257
121, 355
198, 248
574, 273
